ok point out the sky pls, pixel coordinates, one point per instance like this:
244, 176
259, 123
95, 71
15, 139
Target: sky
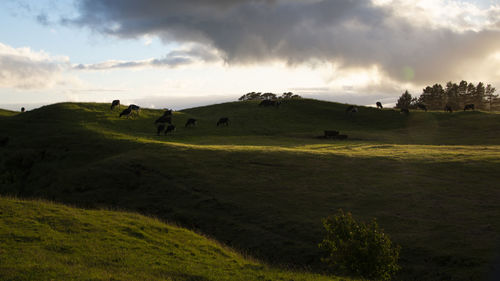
179, 54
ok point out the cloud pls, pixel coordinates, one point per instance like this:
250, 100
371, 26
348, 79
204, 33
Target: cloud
409, 41
175, 58
27, 69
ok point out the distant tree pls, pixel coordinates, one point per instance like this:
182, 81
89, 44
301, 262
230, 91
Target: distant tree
489, 95
405, 100
251, 96
268, 96
287, 95
479, 98
295, 96
452, 97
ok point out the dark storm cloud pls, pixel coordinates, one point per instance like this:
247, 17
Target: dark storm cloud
354, 33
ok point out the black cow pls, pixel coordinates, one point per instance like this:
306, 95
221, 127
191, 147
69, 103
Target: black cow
115, 103
469, 106
351, 109
190, 122
223, 121
126, 112
448, 108
274, 103
135, 108
331, 134
405, 111
164, 119
23, 109
379, 105
160, 129
167, 112
169, 129
422, 106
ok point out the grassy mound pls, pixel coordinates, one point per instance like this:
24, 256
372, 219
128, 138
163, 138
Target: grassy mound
263, 184
46, 241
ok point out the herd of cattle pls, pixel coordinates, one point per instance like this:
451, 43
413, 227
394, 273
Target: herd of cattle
164, 122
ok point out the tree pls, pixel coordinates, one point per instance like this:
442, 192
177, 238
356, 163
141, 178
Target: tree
251, 96
359, 248
268, 96
490, 97
405, 100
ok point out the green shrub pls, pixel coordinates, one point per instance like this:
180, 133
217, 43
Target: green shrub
359, 248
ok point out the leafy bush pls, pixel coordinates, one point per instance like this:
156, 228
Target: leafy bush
359, 248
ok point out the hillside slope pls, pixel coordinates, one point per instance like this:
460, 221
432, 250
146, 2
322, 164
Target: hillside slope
46, 241
263, 184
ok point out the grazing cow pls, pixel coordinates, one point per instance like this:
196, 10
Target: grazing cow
447, 108
379, 105
469, 106
351, 109
342, 137
115, 103
160, 129
23, 109
135, 108
164, 119
223, 121
190, 122
169, 129
274, 103
126, 112
422, 106
4, 141
405, 111
331, 134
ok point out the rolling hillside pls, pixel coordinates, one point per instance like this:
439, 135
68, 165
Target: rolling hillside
263, 184
46, 241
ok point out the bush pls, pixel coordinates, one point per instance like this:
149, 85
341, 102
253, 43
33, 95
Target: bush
359, 248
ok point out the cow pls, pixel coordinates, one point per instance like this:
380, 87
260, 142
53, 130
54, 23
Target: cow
190, 122
405, 111
223, 121
448, 108
126, 112
379, 105
274, 103
160, 129
422, 106
331, 134
115, 103
170, 128
164, 119
167, 112
342, 137
469, 106
351, 109
135, 108
23, 109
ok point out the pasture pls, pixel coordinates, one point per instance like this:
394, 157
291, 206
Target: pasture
263, 183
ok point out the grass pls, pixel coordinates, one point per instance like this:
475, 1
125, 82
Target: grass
263, 184
46, 241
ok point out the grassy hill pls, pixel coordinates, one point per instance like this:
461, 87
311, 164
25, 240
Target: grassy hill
46, 241
263, 184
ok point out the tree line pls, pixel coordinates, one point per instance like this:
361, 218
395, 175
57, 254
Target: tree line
268, 96
455, 95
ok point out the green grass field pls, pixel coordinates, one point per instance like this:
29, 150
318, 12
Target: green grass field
263, 184
46, 241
